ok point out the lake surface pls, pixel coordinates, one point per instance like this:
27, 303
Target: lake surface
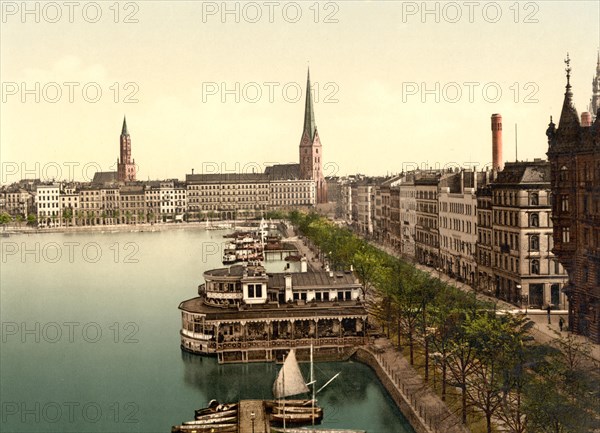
90, 339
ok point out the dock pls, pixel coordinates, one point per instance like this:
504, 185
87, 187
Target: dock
252, 417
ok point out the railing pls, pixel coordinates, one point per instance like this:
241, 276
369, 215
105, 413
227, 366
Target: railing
303, 342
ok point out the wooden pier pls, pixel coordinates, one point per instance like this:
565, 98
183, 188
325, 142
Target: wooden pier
252, 417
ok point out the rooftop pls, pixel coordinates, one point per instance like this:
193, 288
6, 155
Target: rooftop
273, 310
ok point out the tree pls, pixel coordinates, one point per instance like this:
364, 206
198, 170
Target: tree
31, 220
5, 218
497, 341
404, 286
446, 318
461, 359
563, 397
519, 358
367, 264
67, 215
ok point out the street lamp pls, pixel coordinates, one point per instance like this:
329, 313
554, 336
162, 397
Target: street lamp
252, 418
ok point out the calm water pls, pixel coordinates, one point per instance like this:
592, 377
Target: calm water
90, 339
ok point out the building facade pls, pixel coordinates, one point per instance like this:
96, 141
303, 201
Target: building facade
574, 155
427, 243
458, 225
484, 250
48, 205
526, 270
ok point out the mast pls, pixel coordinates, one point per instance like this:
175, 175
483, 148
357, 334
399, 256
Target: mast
312, 380
283, 370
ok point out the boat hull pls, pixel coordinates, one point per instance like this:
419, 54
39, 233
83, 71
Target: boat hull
295, 418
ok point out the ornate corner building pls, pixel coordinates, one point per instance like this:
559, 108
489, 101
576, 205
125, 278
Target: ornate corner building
574, 155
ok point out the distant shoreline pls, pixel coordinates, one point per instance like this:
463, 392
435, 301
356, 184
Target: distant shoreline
128, 228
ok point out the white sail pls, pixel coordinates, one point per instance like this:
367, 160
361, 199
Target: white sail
289, 381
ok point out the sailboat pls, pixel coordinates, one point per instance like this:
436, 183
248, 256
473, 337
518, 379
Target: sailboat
290, 382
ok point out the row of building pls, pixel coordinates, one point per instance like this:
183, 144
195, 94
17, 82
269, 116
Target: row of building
61, 204
491, 229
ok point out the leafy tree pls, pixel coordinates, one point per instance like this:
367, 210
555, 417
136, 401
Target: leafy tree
497, 341
5, 218
367, 264
31, 219
67, 215
564, 397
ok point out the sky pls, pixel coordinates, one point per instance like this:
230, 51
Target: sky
219, 87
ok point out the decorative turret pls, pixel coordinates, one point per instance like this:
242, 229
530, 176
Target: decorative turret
551, 132
568, 125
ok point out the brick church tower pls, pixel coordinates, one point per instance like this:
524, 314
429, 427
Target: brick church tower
125, 165
311, 151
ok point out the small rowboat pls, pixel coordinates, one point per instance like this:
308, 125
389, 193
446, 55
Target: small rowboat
224, 420
217, 415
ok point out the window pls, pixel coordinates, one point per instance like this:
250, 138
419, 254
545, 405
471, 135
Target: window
534, 199
564, 203
535, 267
534, 243
534, 220
563, 174
566, 235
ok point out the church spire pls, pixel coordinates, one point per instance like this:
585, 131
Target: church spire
124, 129
309, 111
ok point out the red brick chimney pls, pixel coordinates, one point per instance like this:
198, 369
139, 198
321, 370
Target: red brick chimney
497, 162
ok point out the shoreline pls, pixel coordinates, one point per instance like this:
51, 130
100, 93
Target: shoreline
127, 228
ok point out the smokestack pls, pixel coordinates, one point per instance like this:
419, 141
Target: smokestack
586, 119
497, 162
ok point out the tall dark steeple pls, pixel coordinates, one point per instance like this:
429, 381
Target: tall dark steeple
125, 165
309, 111
311, 151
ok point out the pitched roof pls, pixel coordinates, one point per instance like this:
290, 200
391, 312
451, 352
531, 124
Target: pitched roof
524, 173
104, 177
283, 171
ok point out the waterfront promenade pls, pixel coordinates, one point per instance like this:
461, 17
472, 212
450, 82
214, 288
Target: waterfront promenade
424, 409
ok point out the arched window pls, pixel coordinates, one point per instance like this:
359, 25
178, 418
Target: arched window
563, 175
534, 199
534, 220
535, 267
534, 243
